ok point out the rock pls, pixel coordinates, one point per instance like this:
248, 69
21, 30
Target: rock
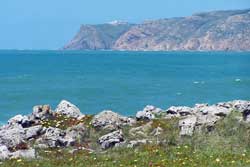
12, 136
41, 112
4, 152
111, 139
19, 119
240, 105
227, 105
141, 131
15, 135
33, 132
246, 114
215, 110
187, 126
110, 120
201, 105
53, 137
68, 109
75, 134
148, 113
180, 111
135, 143
27, 154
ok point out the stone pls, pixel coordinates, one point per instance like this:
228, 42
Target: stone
41, 112
215, 110
75, 134
111, 139
33, 132
110, 120
135, 143
187, 126
12, 136
4, 152
240, 105
68, 109
19, 119
246, 114
148, 113
53, 137
180, 111
141, 131
27, 154
15, 135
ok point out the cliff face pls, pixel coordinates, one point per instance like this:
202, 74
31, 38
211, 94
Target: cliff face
219, 30
97, 37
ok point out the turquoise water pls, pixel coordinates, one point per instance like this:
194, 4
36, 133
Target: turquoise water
121, 81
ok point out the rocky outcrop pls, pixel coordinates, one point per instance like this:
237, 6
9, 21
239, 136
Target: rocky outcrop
111, 139
22, 135
68, 109
216, 30
110, 120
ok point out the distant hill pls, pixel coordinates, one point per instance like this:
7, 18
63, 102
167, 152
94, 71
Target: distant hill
217, 30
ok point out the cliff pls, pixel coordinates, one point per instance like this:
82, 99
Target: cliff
217, 30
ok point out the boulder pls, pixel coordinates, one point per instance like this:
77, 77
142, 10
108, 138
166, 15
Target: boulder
148, 113
4, 152
15, 135
68, 109
180, 111
141, 131
75, 134
135, 143
187, 126
27, 154
41, 112
215, 110
110, 120
53, 137
12, 136
111, 139
19, 119
240, 105
246, 114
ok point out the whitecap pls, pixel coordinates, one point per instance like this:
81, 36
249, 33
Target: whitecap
196, 82
237, 80
179, 93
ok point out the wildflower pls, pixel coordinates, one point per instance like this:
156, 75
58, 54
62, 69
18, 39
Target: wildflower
232, 161
135, 160
186, 146
217, 160
19, 160
71, 159
243, 154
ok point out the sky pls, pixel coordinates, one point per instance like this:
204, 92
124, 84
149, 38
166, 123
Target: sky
49, 24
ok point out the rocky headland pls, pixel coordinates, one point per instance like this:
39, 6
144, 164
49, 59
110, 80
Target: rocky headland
67, 128
208, 31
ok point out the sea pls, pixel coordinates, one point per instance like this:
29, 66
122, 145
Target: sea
124, 82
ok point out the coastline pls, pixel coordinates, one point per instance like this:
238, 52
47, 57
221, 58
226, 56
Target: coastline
67, 128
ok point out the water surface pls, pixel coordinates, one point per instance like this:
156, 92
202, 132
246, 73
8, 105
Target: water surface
121, 81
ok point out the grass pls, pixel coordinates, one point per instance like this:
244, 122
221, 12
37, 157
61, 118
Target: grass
227, 145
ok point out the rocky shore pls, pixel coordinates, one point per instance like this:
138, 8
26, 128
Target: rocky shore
68, 128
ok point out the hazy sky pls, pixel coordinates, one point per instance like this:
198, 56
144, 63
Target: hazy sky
49, 24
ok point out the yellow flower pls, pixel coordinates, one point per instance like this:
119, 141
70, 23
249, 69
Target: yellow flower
19, 160
135, 160
185, 146
232, 161
243, 155
217, 160
71, 159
